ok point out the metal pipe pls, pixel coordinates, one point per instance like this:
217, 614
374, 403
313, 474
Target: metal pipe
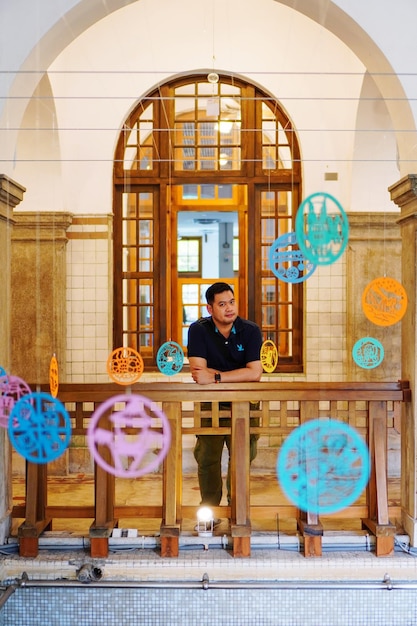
8, 591
205, 584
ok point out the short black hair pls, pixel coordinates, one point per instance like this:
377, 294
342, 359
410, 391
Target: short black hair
217, 288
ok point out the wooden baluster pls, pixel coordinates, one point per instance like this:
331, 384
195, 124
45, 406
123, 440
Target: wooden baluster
308, 522
172, 483
240, 480
104, 492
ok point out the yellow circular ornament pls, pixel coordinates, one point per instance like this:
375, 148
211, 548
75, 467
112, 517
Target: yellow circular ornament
384, 301
125, 366
53, 376
269, 356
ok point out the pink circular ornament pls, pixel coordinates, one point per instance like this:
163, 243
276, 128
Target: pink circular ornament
123, 430
12, 388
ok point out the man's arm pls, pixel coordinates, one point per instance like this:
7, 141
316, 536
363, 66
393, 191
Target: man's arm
204, 375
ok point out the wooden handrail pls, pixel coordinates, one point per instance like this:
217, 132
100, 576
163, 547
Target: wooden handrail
283, 405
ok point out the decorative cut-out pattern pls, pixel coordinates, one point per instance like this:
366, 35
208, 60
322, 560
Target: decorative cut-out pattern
323, 466
384, 301
125, 366
39, 427
368, 352
269, 356
287, 262
129, 436
170, 358
322, 228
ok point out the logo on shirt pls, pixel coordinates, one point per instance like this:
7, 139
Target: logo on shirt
239, 347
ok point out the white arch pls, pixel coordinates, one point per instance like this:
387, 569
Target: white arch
56, 30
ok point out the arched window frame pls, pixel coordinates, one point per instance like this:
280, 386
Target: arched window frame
147, 165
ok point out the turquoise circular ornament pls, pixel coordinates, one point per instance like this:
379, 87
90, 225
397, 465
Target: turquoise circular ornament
323, 466
287, 262
2, 372
322, 228
39, 427
170, 358
368, 353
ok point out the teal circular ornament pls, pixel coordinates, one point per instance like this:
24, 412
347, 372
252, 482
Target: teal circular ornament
323, 466
170, 358
368, 353
322, 228
287, 262
39, 427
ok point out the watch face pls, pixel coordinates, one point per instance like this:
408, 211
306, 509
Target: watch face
217, 377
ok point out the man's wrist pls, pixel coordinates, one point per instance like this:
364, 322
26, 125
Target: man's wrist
217, 377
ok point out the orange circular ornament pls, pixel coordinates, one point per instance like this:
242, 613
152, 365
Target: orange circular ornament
269, 356
53, 376
125, 366
384, 301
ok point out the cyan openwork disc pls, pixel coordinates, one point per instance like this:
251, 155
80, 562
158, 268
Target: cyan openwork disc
39, 427
322, 228
287, 262
170, 358
323, 466
368, 352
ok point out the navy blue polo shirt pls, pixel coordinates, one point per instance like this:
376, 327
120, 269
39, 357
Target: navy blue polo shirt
242, 346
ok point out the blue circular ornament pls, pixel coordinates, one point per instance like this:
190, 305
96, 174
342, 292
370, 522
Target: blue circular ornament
2, 372
323, 466
368, 352
287, 262
39, 427
170, 358
322, 228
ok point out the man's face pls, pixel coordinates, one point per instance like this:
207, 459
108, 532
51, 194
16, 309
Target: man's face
224, 308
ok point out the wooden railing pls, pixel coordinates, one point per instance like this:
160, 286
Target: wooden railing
368, 407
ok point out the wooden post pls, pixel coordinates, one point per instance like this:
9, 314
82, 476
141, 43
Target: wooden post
378, 522
36, 499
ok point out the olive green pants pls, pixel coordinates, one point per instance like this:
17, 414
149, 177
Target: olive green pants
208, 452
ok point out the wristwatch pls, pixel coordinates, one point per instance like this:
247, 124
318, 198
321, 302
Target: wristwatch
217, 377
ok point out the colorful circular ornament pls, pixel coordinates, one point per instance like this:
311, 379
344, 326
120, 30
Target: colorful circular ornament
322, 228
287, 262
125, 366
120, 439
323, 466
368, 352
39, 427
12, 389
53, 376
269, 356
384, 301
170, 358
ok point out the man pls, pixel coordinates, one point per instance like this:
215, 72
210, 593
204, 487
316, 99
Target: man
221, 348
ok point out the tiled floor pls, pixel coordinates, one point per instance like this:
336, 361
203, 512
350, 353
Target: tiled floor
275, 544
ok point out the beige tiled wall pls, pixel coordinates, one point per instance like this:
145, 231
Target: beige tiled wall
89, 300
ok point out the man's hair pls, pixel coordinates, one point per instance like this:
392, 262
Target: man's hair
217, 288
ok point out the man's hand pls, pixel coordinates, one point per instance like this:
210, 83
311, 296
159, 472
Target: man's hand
202, 375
